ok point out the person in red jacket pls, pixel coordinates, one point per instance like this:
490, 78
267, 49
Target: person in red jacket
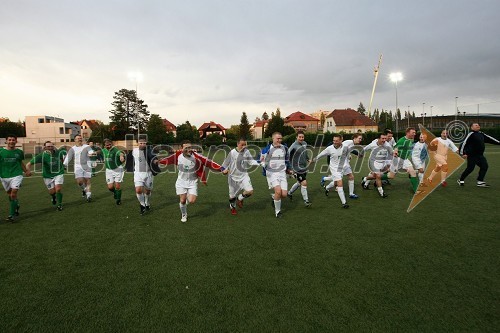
191, 166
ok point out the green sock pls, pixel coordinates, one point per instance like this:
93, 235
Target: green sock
59, 196
118, 194
414, 183
13, 207
385, 177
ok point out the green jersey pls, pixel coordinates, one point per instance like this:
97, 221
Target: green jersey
405, 147
52, 163
112, 158
10, 163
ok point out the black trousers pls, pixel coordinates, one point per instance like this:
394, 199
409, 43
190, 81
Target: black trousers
472, 161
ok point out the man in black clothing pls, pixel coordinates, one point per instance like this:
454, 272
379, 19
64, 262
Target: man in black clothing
473, 149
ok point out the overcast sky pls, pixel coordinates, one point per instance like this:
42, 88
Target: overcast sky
212, 60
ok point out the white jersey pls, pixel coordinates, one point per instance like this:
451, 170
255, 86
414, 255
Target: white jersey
338, 156
443, 145
380, 152
419, 153
349, 145
391, 142
81, 155
238, 162
187, 168
140, 161
275, 158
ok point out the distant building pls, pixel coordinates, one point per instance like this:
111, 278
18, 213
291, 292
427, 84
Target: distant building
43, 128
258, 128
169, 127
318, 114
349, 121
211, 128
302, 122
485, 120
86, 127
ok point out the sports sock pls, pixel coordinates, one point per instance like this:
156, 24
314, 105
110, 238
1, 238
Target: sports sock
380, 190
303, 190
327, 178
183, 208
147, 198
241, 197
351, 187
13, 207
118, 194
232, 203
385, 177
59, 197
294, 188
420, 177
277, 206
414, 183
330, 186
341, 193
89, 194
433, 174
112, 190
141, 198
443, 175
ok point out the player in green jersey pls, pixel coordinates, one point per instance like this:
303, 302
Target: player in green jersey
51, 160
11, 173
114, 159
402, 157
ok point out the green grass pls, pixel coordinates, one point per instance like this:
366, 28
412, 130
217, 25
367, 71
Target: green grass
373, 267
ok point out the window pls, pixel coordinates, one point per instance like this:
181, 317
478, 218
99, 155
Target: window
61, 130
62, 140
68, 130
41, 120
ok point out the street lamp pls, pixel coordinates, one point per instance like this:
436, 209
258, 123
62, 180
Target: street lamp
136, 77
395, 77
423, 118
408, 116
431, 116
456, 108
423, 112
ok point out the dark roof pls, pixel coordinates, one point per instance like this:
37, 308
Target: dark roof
300, 116
168, 124
350, 117
218, 127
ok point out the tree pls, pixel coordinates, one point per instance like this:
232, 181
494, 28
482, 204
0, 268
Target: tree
101, 131
129, 113
233, 132
322, 119
245, 127
265, 116
11, 128
213, 139
157, 132
187, 131
361, 108
398, 115
277, 124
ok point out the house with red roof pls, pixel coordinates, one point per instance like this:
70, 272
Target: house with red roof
211, 128
169, 127
302, 122
258, 128
349, 121
86, 127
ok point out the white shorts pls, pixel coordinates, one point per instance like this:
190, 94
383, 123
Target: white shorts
13, 183
81, 173
347, 170
399, 164
441, 159
143, 179
378, 167
52, 182
418, 164
114, 175
237, 185
186, 187
277, 179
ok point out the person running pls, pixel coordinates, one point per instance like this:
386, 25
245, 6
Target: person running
11, 174
419, 156
191, 166
473, 150
299, 161
441, 145
114, 160
402, 157
235, 165
379, 162
338, 156
52, 171
81, 154
276, 166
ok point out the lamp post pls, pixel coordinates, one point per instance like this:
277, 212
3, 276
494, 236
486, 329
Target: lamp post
395, 77
423, 118
136, 77
456, 107
431, 116
423, 112
408, 116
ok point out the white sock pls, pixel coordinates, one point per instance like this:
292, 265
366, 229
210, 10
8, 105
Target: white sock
141, 198
340, 191
351, 187
146, 199
330, 186
443, 175
89, 194
183, 208
294, 188
380, 190
272, 196
421, 177
241, 197
277, 206
328, 178
83, 187
433, 174
303, 190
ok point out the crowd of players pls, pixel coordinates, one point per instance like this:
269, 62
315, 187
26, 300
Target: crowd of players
278, 163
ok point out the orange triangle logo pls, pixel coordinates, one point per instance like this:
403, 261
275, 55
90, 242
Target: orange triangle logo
440, 160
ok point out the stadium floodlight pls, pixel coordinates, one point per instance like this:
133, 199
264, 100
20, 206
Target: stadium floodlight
396, 77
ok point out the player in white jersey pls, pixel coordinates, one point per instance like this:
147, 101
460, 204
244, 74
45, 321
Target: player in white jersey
276, 165
379, 162
351, 146
143, 160
441, 146
81, 154
338, 156
191, 166
299, 161
235, 166
419, 155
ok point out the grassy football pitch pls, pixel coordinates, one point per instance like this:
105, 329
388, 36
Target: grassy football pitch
373, 267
